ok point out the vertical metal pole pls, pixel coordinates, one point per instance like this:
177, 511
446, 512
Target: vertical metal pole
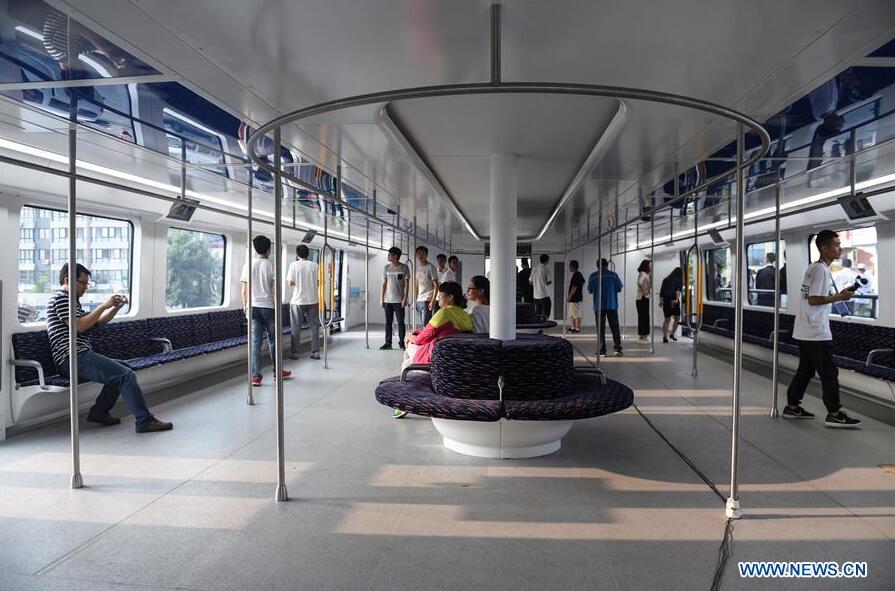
414, 284
598, 313
250, 398
733, 510
774, 372
77, 480
281, 493
367, 288
182, 169
625, 273
694, 297
652, 279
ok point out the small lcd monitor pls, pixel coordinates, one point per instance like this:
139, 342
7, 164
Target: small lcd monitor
309, 236
858, 208
715, 235
182, 210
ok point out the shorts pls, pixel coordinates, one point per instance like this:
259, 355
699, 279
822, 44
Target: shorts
671, 309
574, 310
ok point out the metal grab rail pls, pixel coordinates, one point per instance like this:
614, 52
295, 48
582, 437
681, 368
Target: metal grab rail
875, 352
326, 296
692, 296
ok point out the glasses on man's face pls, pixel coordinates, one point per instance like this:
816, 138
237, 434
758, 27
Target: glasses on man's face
84, 282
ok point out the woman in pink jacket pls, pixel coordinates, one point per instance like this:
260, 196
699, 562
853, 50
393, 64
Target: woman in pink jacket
451, 318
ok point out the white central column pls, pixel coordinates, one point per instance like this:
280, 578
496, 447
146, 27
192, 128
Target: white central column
504, 188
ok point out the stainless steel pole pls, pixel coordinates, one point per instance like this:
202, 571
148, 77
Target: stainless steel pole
367, 288
625, 273
413, 282
732, 509
774, 372
598, 313
695, 295
281, 493
652, 277
250, 398
77, 480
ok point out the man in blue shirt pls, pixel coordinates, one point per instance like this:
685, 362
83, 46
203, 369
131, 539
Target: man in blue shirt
608, 304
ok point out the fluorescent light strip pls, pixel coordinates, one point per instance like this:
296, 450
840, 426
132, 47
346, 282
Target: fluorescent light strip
102, 71
30, 32
53, 157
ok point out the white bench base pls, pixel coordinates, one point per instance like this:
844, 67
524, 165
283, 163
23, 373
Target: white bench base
503, 438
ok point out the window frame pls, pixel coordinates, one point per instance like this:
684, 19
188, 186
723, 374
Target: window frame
132, 304
224, 275
876, 308
706, 253
784, 299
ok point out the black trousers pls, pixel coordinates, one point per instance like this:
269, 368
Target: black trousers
391, 311
642, 317
542, 305
815, 356
612, 315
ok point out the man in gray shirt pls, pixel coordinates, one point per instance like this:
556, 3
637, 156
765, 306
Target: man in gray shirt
393, 296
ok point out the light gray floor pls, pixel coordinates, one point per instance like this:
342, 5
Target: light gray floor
379, 504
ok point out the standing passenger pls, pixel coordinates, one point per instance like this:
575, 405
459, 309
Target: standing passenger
444, 272
393, 296
812, 333
670, 300
523, 284
644, 291
116, 377
765, 282
454, 268
426, 286
263, 322
540, 279
302, 278
611, 287
576, 295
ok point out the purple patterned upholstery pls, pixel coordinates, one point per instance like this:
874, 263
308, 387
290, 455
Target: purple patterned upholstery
227, 324
589, 398
34, 346
537, 367
124, 340
177, 329
467, 366
416, 397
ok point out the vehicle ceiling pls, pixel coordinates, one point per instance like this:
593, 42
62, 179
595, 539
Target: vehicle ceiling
261, 59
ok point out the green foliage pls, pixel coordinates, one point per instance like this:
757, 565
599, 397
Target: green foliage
195, 269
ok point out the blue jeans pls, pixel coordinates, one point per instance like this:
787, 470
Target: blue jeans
117, 379
262, 324
423, 313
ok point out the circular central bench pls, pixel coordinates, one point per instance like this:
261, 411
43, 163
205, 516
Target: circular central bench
503, 399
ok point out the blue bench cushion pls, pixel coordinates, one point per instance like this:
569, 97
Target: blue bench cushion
417, 397
177, 329
227, 324
589, 398
124, 340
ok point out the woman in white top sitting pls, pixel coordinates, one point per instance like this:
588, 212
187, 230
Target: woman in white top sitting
478, 292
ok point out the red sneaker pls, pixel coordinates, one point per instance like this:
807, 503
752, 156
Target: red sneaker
256, 380
286, 374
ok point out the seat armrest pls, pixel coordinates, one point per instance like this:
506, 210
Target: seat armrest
779, 332
719, 321
593, 370
167, 347
34, 365
415, 367
875, 352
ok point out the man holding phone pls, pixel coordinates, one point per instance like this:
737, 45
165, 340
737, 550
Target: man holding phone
812, 333
116, 377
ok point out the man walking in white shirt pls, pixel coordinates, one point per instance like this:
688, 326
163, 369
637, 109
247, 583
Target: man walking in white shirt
302, 278
540, 279
812, 333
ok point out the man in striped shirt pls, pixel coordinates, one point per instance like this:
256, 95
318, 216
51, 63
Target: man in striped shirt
117, 378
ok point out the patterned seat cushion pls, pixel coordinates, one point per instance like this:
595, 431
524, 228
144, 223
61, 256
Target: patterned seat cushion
177, 329
589, 398
417, 397
33, 346
227, 324
467, 366
124, 340
536, 367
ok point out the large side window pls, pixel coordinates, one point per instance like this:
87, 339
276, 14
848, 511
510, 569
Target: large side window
718, 275
43, 249
760, 260
857, 263
195, 269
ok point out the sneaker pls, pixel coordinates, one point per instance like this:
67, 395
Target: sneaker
286, 374
315, 355
106, 420
293, 356
618, 353
386, 347
841, 421
797, 413
402, 345
602, 352
399, 414
256, 380
154, 425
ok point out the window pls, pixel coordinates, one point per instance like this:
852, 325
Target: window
195, 269
26, 234
858, 262
43, 233
60, 233
760, 261
39, 269
718, 275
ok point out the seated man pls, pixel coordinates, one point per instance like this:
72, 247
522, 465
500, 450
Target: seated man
116, 377
479, 294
